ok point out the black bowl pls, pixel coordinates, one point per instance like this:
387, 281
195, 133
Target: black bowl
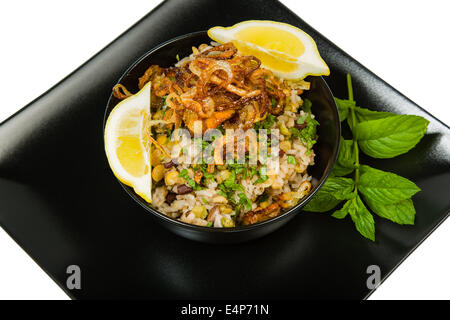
326, 148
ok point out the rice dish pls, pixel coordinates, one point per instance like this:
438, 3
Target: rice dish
230, 142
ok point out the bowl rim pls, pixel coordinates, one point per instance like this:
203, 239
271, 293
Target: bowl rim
237, 229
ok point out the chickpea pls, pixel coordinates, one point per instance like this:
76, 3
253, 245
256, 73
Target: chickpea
264, 204
155, 157
300, 168
227, 222
219, 199
161, 139
276, 185
222, 176
158, 173
171, 178
285, 131
285, 145
225, 209
200, 212
158, 115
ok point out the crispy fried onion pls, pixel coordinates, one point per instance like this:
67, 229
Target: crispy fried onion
120, 92
150, 73
222, 52
203, 107
208, 70
289, 199
216, 86
285, 200
260, 214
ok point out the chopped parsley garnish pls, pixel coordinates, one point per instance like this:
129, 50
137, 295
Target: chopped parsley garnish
302, 119
266, 123
262, 175
274, 103
206, 174
291, 160
253, 171
244, 201
308, 134
203, 143
221, 129
221, 192
262, 198
307, 104
229, 186
191, 182
229, 183
244, 170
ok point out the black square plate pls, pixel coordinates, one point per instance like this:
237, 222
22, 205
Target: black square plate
61, 203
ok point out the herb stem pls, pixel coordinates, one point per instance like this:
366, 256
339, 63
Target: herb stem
353, 120
350, 87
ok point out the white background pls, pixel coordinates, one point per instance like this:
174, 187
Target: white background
404, 42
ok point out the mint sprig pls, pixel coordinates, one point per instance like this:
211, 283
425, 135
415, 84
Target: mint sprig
378, 135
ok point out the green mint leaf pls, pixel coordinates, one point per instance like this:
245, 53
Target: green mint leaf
362, 218
322, 202
401, 212
363, 114
333, 191
345, 163
340, 214
343, 212
343, 107
342, 188
391, 136
385, 187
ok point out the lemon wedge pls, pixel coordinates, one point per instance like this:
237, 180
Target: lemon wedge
126, 143
286, 50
